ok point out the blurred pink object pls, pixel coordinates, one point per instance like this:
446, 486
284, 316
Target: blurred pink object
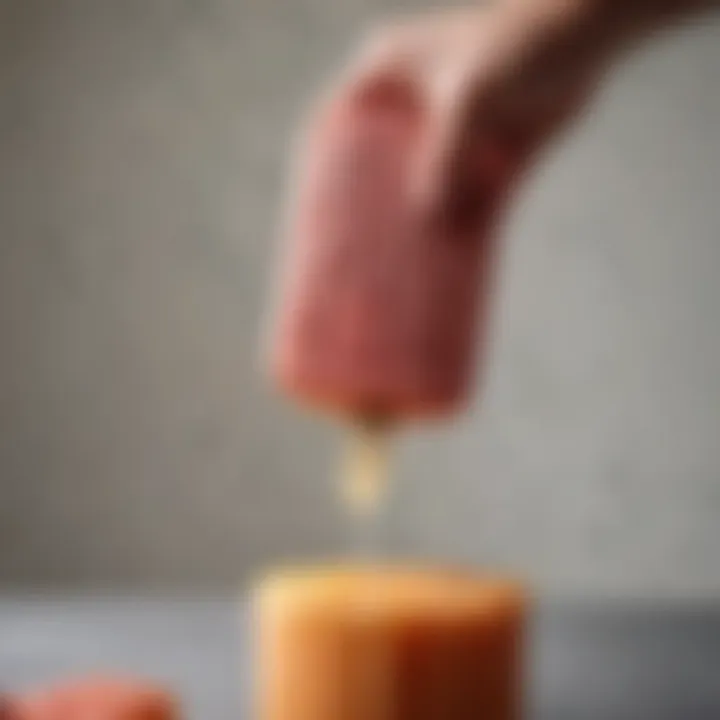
94, 699
8, 708
381, 298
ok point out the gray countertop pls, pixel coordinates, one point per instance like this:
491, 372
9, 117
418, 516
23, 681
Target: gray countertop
586, 663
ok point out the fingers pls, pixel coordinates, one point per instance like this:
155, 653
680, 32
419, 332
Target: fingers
442, 65
442, 150
439, 65
389, 55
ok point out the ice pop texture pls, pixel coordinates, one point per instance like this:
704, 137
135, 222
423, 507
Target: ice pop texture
388, 644
380, 299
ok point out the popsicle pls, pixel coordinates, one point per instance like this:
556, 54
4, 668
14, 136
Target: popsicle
381, 301
388, 644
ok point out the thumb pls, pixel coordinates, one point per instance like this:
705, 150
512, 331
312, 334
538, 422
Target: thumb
438, 165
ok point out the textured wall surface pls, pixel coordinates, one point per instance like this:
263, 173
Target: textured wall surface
142, 145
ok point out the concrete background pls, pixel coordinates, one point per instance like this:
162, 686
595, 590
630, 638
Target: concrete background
142, 145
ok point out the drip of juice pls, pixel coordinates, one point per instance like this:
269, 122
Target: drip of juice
364, 474
364, 485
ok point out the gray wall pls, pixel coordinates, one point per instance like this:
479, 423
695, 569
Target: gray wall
141, 153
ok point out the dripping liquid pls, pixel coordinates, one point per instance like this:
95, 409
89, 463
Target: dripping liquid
364, 488
365, 485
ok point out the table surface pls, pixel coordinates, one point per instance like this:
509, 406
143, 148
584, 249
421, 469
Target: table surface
586, 663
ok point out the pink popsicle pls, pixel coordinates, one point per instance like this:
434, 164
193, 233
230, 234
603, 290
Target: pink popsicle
381, 302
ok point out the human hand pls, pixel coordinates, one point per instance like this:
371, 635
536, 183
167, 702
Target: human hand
496, 84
